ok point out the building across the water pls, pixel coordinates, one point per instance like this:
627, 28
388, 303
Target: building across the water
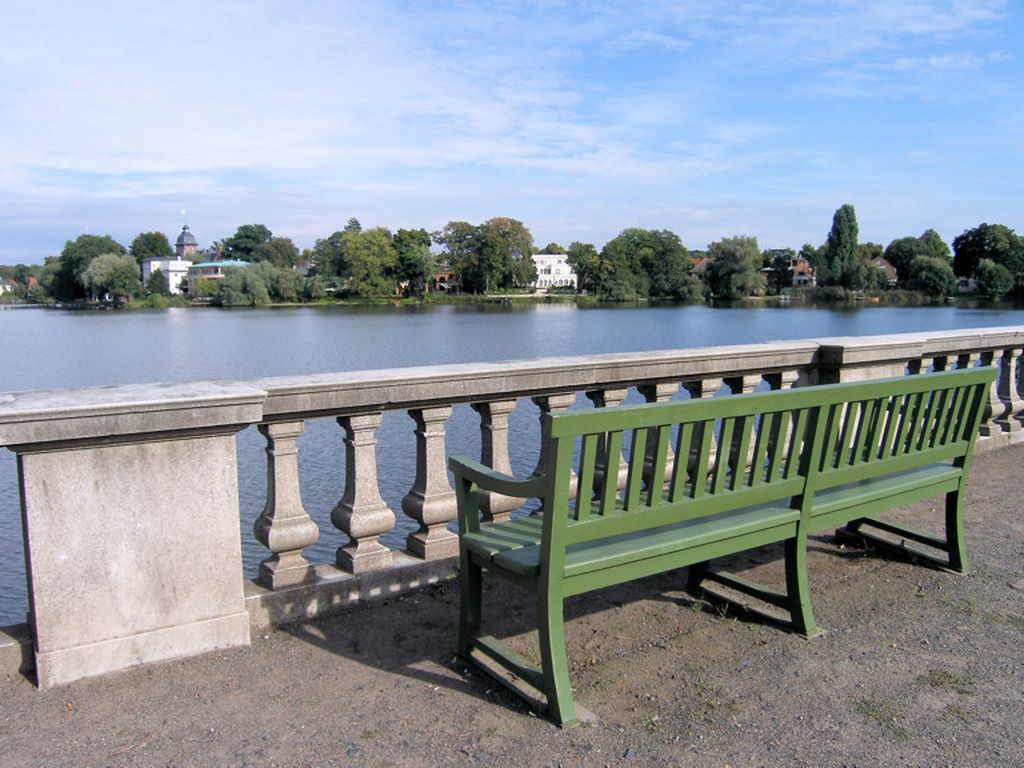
174, 269
553, 271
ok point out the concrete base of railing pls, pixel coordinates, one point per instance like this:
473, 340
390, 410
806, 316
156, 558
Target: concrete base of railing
335, 589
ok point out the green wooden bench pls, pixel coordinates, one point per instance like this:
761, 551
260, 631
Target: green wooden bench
709, 478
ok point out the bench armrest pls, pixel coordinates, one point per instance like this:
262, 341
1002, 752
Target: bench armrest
469, 473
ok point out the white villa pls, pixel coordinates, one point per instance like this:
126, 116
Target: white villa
174, 269
553, 271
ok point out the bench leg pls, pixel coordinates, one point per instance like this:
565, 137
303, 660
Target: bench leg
796, 585
955, 532
695, 575
471, 581
555, 665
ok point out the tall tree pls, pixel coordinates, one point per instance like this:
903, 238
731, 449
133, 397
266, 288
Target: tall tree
156, 284
995, 242
415, 262
113, 273
247, 239
839, 264
150, 245
586, 263
644, 262
279, 251
68, 283
735, 268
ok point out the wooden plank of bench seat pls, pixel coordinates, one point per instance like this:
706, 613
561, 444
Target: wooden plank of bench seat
835, 506
501, 537
652, 542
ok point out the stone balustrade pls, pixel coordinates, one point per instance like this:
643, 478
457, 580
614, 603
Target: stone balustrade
127, 564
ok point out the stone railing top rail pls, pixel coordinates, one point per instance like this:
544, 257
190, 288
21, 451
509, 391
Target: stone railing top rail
138, 409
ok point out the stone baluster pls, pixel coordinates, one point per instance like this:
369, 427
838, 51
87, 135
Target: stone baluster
608, 398
991, 418
495, 507
658, 393
362, 513
284, 527
557, 403
431, 501
1009, 389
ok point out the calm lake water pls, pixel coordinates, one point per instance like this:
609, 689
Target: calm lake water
43, 349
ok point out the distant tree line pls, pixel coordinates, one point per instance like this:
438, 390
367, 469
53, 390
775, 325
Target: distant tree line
495, 256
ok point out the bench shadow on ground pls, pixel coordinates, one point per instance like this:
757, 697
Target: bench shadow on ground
414, 636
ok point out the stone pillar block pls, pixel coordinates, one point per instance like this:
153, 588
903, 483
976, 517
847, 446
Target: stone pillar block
130, 508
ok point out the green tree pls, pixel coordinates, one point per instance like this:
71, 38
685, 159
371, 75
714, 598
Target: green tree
150, 245
995, 242
369, 262
156, 284
838, 264
353, 225
279, 251
241, 287
735, 268
552, 248
586, 263
775, 265
113, 273
511, 251
639, 262
415, 262
68, 283
246, 241
283, 283
994, 280
932, 276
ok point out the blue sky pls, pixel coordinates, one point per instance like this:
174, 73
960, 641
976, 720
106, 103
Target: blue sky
711, 119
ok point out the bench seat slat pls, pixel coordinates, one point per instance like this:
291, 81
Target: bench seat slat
866, 492
501, 537
607, 553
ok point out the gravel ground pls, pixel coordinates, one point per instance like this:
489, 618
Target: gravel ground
916, 667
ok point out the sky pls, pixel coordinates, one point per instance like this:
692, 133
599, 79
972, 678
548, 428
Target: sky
711, 119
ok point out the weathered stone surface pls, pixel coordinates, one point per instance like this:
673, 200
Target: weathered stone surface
134, 553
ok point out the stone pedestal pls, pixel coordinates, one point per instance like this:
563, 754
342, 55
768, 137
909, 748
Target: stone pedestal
131, 521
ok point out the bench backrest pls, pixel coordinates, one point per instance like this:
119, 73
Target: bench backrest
688, 459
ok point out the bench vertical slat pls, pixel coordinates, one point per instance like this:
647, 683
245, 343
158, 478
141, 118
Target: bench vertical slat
864, 430
659, 461
849, 423
926, 422
834, 414
698, 481
936, 423
906, 406
964, 426
609, 492
722, 457
585, 483
944, 424
635, 478
916, 423
765, 426
796, 440
957, 398
878, 417
892, 416
677, 488
739, 456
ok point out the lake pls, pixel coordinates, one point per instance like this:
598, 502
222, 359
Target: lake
45, 349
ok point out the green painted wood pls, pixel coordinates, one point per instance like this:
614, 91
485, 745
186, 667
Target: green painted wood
821, 456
